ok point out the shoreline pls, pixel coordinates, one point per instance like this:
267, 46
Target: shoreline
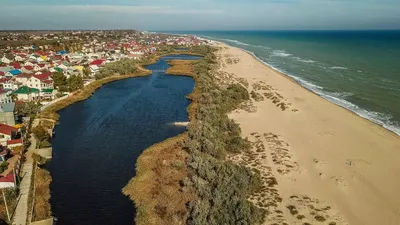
331, 153
291, 78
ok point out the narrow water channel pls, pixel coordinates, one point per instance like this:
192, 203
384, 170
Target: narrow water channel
99, 140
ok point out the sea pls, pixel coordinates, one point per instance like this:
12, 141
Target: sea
357, 70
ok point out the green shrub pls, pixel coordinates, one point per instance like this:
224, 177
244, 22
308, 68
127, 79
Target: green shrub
3, 166
121, 67
221, 187
45, 144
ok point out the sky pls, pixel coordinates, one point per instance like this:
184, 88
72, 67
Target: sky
180, 15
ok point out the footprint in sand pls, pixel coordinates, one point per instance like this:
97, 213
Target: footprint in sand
339, 181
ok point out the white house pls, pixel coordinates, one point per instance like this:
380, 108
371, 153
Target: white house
42, 81
4, 97
25, 93
6, 60
23, 78
27, 63
20, 58
11, 84
94, 69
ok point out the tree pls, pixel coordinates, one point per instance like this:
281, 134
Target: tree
40, 133
27, 108
60, 81
86, 71
75, 82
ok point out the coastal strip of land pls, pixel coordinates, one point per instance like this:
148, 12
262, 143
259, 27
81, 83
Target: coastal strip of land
326, 164
211, 190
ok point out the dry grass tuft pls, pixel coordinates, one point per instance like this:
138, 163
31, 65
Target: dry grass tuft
42, 208
156, 189
181, 67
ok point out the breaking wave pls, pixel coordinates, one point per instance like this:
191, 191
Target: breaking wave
338, 68
280, 53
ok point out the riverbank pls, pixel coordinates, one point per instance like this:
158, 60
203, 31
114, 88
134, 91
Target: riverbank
156, 189
316, 151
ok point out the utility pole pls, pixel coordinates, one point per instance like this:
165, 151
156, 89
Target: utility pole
5, 203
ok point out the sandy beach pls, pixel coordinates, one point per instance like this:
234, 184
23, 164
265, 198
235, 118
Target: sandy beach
330, 165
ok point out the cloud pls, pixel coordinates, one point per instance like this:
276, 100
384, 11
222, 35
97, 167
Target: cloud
141, 9
145, 9
200, 14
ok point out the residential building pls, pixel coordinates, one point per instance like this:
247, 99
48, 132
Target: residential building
25, 93
12, 73
4, 97
7, 133
7, 113
41, 81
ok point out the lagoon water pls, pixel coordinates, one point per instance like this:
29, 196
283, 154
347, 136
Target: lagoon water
99, 140
358, 70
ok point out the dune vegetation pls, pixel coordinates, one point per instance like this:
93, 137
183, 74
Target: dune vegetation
216, 190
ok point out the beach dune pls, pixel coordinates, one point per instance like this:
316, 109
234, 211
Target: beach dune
317, 150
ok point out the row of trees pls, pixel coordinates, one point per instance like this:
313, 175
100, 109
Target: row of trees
221, 187
121, 67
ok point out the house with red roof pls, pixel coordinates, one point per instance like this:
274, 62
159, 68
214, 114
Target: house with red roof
16, 65
98, 62
8, 181
2, 74
40, 66
7, 133
27, 69
15, 143
23, 78
41, 81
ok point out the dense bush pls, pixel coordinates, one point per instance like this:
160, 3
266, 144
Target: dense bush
221, 187
3, 166
42, 136
64, 84
121, 67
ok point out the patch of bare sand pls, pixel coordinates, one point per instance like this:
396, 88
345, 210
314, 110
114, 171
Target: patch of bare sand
320, 163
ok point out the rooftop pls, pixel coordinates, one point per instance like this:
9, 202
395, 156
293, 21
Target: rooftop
7, 107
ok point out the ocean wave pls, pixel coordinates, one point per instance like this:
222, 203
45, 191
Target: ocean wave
235, 41
304, 60
338, 98
306, 84
338, 68
280, 53
379, 118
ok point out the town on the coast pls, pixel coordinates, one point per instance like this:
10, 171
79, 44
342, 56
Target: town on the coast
37, 70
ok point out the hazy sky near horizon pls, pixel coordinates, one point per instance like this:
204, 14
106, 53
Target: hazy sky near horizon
200, 14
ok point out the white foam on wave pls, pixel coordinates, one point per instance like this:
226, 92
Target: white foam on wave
304, 60
235, 41
338, 68
280, 53
379, 118
338, 98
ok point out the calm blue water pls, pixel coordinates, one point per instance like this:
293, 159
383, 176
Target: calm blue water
99, 140
358, 70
